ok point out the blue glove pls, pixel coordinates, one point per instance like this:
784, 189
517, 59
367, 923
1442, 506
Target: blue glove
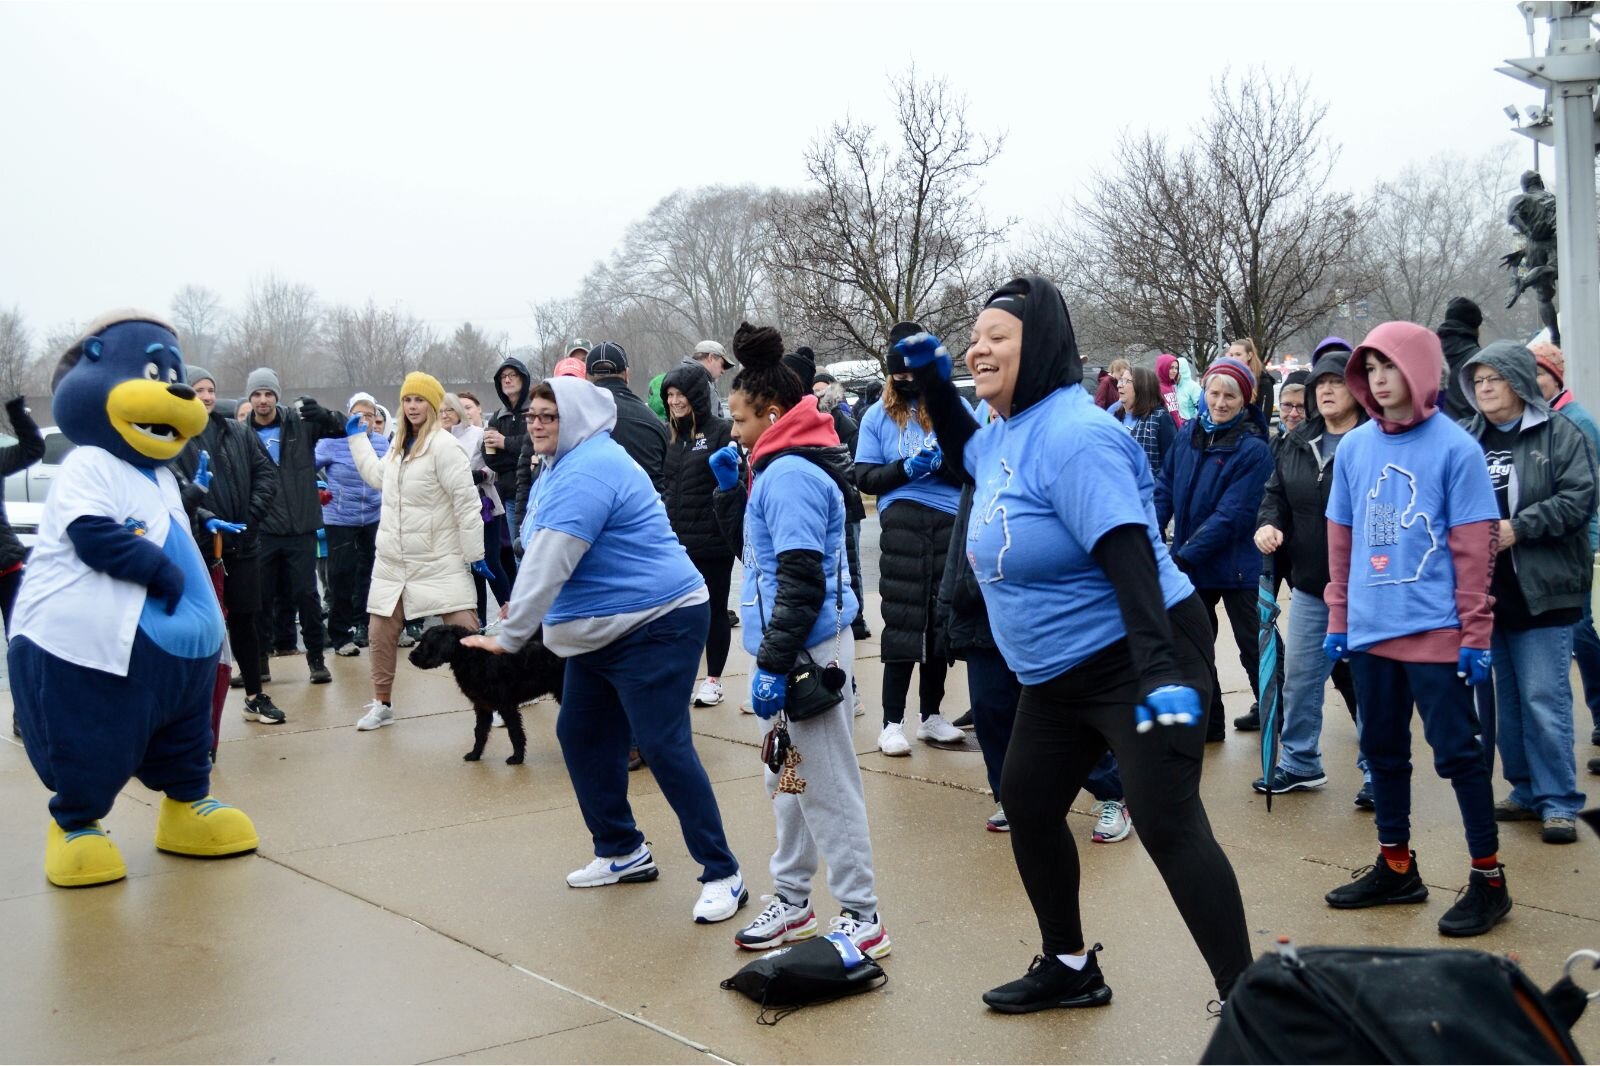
924, 349
217, 525
1169, 705
167, 585
481, 568
1472, 664
202, 474
923, 463
1336, 646
767, 691
354, 426
725, 466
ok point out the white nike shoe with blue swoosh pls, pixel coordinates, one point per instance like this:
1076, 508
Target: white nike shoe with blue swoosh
637, 865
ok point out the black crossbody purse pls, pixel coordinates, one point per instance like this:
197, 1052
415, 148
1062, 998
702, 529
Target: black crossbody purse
813, 689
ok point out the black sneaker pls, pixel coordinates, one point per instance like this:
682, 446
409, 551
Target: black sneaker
860, 630
733, 619
1479, 905
319, 670
260, 708
1283, 781
1594, 765
964, 722
1364, 801
1249, 723
1051, 983
361, 636
1376, 885
237, 681
290, 650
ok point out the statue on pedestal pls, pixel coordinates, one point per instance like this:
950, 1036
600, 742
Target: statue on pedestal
1532, 213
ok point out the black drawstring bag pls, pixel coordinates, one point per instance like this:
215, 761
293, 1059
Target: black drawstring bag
819, 970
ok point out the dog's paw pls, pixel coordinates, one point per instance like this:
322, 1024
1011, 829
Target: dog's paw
514, 760
473, 756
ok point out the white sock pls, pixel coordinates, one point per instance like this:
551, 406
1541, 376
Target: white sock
1074, 962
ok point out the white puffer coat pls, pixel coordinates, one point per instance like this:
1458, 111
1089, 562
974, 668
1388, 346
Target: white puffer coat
430, 530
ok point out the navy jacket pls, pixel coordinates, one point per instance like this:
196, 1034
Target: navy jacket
1210, 488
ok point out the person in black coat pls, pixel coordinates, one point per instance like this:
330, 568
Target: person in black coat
506, 451
695, 432
1458, 336
638, 430
28, 450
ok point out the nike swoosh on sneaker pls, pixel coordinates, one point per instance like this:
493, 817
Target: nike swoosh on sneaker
628, 865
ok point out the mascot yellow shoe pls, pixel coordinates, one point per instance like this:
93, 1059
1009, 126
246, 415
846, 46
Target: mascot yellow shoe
208, 828
82, 857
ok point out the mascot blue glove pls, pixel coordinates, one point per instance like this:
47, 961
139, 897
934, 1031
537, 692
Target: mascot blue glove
1336, 646
924, 349
767, 692
117, 634
1473, 666
217, 525
724, 463
1169, 705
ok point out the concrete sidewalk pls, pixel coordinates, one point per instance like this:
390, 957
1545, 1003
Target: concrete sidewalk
407, 906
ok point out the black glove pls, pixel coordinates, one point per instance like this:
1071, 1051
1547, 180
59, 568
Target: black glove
167, 584
310, 409
1464, 311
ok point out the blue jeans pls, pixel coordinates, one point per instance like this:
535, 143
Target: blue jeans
1305, 681
642, 683
994, 691
1586, 649
1533, 696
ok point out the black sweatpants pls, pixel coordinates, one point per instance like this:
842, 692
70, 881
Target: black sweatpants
289, 563
350, 553
1063, 727
717, 570
241, 600
897, 685
1243, 619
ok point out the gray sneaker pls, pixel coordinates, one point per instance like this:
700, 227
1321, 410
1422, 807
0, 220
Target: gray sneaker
1507, 810
1560, 829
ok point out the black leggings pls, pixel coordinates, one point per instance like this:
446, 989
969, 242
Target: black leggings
717, 570
897, 684
1240, 605
1062, 729
241, 595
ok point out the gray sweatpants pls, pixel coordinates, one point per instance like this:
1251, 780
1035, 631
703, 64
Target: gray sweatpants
831, 814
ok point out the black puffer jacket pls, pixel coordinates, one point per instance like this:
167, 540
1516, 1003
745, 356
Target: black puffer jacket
28, 450
1296, 503
913, 545
638, 430
295, 507
961, 608
688, 481
243, 484
509, 421
1458, 336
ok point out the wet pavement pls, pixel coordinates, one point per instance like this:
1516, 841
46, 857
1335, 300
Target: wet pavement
408, 906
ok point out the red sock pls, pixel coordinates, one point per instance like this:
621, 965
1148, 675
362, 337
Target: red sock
1398, 856
1491, 866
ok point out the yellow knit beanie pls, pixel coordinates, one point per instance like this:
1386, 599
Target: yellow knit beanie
425, 385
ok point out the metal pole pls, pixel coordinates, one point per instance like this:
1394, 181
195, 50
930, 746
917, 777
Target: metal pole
1577, 249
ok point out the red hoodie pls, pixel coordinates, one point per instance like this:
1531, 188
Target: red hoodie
803, 426
1415, 352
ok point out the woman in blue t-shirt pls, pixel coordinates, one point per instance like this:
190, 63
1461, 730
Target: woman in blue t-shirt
898, 461
797, 601
594, 524
1106, 635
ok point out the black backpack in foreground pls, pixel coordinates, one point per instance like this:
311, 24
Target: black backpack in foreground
812, 971
1331, 1004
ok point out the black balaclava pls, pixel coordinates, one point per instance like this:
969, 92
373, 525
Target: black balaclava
1049, 349
897, 363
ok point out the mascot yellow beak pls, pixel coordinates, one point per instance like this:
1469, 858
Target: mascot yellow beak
155, 421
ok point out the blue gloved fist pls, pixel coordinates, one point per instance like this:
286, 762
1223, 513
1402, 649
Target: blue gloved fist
202, 473
217, 525
924, 349
767, 691
1336, 646
923, 463
481, 568
1473, 665
724, 464
355, 425
1169, 705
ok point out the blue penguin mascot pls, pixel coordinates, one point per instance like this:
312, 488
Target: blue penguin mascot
117, 631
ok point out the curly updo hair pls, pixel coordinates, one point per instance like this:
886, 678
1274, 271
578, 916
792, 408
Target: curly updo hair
762, 377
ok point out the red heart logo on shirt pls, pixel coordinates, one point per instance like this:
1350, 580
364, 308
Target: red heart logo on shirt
1380, 563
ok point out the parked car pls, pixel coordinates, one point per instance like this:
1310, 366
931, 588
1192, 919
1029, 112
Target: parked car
33, 484
25, 516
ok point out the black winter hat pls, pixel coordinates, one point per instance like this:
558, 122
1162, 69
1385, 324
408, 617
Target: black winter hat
1464, 311
803, 363
607, 357
897, 333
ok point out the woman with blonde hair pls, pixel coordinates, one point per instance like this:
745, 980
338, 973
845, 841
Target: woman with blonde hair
1244, 350
1105, 393
430, 533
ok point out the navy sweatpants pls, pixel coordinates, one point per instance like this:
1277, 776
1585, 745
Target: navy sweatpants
1387, 689
641, 685
88, 732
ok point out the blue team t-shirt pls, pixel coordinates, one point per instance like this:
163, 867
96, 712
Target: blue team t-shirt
1036, 519
1401, 494
881, 441
271, 439
634, 563
795, 506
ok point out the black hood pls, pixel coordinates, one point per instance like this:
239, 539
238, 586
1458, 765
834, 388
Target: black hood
695, 384
527, 381
1049, 349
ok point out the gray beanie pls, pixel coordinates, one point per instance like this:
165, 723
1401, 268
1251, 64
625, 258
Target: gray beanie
262, 379
196, 374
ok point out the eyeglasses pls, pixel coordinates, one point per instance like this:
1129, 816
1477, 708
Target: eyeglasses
541, 418
1292, 407
1125, 380
1487, 380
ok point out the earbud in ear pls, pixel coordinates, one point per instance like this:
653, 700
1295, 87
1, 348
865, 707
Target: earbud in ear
772, 420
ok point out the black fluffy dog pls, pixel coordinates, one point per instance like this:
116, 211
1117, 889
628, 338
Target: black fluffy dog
492, 682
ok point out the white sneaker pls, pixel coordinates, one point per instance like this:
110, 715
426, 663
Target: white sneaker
497, 722
637, 865
778, 923
868, 934
1114, 824
936, 728
745, 708
861, 708
720, 900
348, 650
378, 714
892, 741
998, 822
709, 694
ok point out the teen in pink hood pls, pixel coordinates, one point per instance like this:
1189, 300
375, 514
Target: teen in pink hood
1412, 523
1167, 376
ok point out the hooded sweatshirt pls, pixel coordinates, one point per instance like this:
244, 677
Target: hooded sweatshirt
1169, 389
687, 481
1412, 518
1188, 392
508, 420
595, 524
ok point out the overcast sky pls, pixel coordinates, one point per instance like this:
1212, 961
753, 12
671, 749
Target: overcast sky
467, 160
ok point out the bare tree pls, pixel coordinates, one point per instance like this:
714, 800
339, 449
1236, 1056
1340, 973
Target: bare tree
1244, 214
20, 371
373, 344
891, 228
280, 328
555, 325
471, 355
200, 320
